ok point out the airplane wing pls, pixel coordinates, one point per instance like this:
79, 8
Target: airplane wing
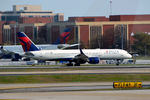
82, 58
14, 55
4, 51
64, 47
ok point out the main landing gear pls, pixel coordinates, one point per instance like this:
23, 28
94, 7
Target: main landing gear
119, 61
71, 64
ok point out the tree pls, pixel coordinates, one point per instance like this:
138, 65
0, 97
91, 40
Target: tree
119, 34
141, 43
117, 41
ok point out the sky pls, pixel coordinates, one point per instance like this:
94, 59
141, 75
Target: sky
72, 8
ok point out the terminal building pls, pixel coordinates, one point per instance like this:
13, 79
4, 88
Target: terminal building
24, 14
102, 32
91, 32
30, 14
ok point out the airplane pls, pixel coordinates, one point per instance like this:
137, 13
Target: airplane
14, 53
6, 54
77, 56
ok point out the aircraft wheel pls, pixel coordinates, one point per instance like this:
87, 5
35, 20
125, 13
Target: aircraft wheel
27, 59
14, 59
69, 64
77, 64
117, 64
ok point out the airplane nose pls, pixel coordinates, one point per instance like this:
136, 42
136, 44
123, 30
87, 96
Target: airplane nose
129, 56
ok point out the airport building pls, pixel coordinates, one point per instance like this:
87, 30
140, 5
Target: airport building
91, 32
24, 14
103, 32
30, 14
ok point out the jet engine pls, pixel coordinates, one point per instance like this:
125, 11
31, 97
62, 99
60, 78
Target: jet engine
94, 60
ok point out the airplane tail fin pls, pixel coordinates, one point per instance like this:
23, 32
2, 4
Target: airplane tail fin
26, 43
63, 38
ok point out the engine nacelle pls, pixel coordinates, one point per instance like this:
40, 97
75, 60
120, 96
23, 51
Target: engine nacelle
94, 60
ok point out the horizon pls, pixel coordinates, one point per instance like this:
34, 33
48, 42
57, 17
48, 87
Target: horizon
85, 8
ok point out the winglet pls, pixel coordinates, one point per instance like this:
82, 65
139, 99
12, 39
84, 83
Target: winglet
81, 52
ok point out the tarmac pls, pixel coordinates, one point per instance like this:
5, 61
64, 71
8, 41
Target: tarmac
70, 95
74, 91
80, 95
7, 62
82, 72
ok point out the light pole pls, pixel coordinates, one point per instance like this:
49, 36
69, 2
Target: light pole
131, 36
121, 36
15, 34
110, 7
145, 50
15, 30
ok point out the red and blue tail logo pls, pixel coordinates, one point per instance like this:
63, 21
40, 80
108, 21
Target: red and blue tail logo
26, 43
64, 37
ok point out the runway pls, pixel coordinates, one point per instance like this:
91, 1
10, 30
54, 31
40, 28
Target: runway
66, 67
80, 95
82, 72
74, 91
59, 87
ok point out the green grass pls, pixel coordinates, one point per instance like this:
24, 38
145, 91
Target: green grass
143, 58
73, 78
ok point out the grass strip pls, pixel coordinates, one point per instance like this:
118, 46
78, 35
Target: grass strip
73, 78
143, 58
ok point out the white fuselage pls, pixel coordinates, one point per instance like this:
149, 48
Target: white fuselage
62, 54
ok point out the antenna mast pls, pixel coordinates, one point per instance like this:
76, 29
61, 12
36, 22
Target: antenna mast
110, 7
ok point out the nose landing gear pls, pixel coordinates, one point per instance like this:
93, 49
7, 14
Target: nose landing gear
119, 62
